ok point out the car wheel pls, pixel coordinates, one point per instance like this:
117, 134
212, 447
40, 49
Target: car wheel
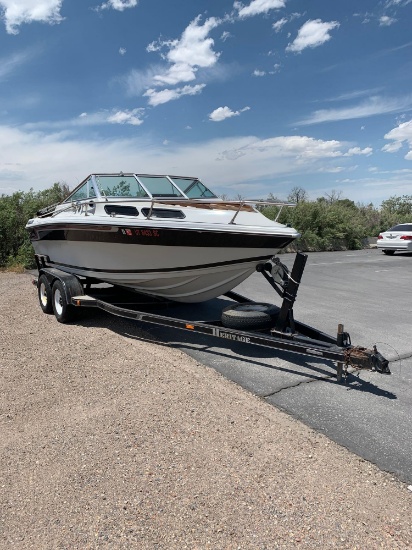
45, 294
249, 316
63, 311
389, 252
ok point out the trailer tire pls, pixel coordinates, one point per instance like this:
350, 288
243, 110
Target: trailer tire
389, 252
44, 292
63, 311
249, 316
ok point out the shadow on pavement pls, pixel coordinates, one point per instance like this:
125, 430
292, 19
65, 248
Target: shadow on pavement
244, 355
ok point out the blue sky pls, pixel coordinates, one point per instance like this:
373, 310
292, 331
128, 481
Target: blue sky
253, 97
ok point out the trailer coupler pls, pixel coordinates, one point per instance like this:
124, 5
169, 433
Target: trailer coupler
364, 358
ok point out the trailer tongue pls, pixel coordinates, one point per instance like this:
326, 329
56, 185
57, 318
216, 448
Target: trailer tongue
257, 324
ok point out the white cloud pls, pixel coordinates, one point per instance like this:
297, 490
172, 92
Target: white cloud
399, 135
46, 157
367, 151
195, 47
221, 113
179, 72
8, 65
126, 117
312, 34
355, 94
119, 5
386, 21
166, 95
225, 36
256, 72
397, 3
302, 149
98, 118
371, 107
122, 51
194, 50
392, 147
37, 159
17, 12
136, 81
278, 25
257, 7
276, 68
331, 169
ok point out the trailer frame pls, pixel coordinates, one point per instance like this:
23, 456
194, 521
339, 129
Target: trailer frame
68, 292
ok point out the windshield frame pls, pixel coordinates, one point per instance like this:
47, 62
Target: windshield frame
91, 183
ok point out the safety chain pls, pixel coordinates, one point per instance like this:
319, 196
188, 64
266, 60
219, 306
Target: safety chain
348, 358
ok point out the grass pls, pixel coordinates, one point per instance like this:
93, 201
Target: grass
16, 268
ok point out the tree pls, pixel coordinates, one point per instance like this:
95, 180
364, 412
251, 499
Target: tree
333, 196
396, 210
298, 194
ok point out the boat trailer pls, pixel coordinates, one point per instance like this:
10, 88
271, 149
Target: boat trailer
274, 327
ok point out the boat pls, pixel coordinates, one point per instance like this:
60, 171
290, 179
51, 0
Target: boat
161, 235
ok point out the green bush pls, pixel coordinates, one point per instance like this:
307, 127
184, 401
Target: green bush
15, 210
339, 224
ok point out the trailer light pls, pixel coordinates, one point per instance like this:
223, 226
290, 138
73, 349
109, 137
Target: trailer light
190, 327
406, 238
380, 237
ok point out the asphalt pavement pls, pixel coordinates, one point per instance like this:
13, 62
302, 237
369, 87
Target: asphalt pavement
370, 293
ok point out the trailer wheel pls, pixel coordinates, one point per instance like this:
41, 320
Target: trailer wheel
45, 295
389, 252
248, 316
63, 311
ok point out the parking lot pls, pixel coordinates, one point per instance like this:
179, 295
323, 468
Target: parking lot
369, 293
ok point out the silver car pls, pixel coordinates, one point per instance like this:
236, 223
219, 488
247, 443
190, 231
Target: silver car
398, 237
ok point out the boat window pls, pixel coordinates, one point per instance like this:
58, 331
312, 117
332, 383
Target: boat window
86, 191
194, 189
163, 213
120, 186
160, 186
121, 210
92, 192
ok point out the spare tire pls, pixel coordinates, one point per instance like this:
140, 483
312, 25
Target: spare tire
252, 315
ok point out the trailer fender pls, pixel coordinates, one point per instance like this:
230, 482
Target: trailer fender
70, 283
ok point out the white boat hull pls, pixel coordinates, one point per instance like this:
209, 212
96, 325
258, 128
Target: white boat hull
192, 274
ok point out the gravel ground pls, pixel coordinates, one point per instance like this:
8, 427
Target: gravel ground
110, 441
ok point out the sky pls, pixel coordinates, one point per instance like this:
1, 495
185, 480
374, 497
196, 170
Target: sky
254, 98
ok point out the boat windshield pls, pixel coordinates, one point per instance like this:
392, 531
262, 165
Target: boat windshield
140, 186
193, 188
86, 191
160, 186
120, 186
